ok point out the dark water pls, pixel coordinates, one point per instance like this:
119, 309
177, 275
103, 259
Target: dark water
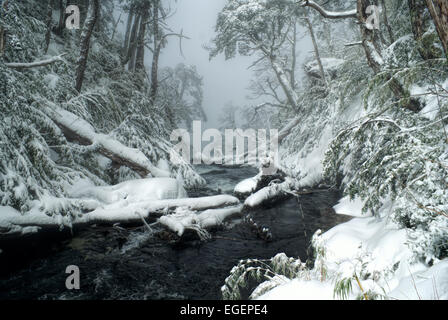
128, 263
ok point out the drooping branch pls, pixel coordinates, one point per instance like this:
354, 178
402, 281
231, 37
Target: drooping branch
23, 65
330, 14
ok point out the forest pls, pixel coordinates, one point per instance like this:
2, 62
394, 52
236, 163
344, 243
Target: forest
104, 164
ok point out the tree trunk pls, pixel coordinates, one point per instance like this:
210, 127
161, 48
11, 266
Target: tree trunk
61, 23
386, 22
439, 13
140, 55
85, 42
2, 41
294, 57
110, 148
127, 34
371, 42
49, 26
133, 43
316, 50
156, 54
288, 89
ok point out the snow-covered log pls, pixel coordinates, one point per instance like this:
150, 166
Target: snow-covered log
268, 194
79, 130
14, 223
179, 222
42, 63
126, 212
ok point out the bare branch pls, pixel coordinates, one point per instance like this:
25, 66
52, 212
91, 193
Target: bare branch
21, 65
330, 14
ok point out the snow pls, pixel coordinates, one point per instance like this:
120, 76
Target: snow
52, 80
352, 208
11, 221
185, 219
430, 284
380, 245
134, 191
86, 130
330, 66
267, 193
129, 201
331, 14
432, 109
300, 290
247, 185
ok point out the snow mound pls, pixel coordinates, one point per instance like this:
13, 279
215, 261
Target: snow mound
246, 186
134, 191
300, 290
349, 207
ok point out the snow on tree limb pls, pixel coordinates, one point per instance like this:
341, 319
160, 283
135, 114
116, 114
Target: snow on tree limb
24, 65
79, 130
13, 223
330, 14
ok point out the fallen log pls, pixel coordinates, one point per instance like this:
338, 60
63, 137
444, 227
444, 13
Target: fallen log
80, 131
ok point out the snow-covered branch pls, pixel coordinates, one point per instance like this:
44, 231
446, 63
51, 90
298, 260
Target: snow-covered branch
81, 131
24, 65
330, 14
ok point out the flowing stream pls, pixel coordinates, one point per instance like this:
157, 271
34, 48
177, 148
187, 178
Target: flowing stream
132, 263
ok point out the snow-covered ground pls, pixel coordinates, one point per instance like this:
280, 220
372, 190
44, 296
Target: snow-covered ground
365, 245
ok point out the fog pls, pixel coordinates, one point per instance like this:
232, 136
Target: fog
224, 81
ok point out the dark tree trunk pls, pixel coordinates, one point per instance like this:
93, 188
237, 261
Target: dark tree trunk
133, 43
127, 34
386, 22
316, 51
439, 13
85, 42
156, 54
59, 29
140, 55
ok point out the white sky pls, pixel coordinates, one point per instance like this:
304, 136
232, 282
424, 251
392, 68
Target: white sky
224, 81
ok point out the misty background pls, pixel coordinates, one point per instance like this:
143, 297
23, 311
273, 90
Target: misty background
224, 81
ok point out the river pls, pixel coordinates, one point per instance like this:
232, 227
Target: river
132, 263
